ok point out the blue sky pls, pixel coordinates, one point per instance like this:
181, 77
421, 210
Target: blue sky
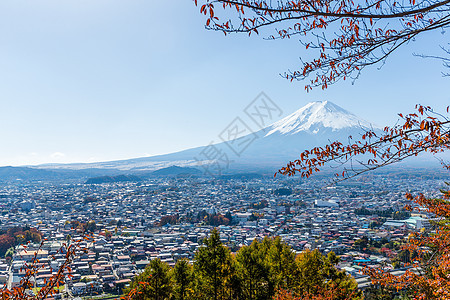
99, 80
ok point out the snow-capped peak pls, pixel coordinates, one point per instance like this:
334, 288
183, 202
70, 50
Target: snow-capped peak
314, 116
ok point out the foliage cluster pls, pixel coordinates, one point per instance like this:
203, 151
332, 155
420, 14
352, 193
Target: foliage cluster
52, 285
212, 219
344, 36
18, 235
261, 270
387, 213
426, 255
282, 192
259, 205
171, 219
88, 226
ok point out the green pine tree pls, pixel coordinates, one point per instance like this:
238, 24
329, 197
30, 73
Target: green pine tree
254, 272
182, 274
214, 269
154, 283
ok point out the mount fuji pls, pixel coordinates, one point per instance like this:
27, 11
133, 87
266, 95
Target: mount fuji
317, 117
266, 149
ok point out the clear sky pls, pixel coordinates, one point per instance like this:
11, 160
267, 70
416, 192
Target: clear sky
98, 80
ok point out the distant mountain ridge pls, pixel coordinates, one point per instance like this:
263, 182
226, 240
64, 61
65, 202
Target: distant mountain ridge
176, 170
112, 179
315, 124
35, 173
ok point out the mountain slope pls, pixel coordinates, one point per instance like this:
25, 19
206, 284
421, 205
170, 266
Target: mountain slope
316, 116
315, 124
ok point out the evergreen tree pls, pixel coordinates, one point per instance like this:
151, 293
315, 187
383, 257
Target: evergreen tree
282, 263
182, 274
318, 274
154, 283
254, 272
260, 271
213, 268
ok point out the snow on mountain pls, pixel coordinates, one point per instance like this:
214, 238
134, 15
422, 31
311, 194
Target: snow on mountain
314, 116
315, 124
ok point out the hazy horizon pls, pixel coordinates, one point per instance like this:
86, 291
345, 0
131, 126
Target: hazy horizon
107, 80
